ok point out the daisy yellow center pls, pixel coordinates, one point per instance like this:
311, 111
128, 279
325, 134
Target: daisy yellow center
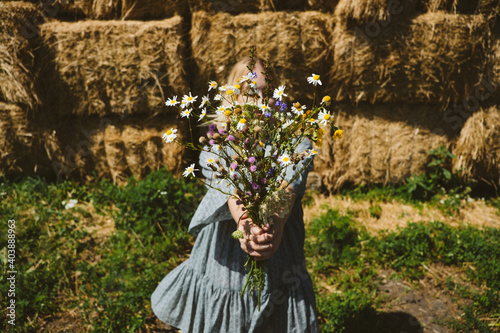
190, 169
314, 151
213, 84
210, 160
286, 159
237, 86
264, 107
190, 99
326, 98
326, 116
173, 101
227, 113
186, 112
243, 120
316, 77
279, 93
169, 132
261, 143
230, 92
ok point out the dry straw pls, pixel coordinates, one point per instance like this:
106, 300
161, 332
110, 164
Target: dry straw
19, 150
382, 144
17, 41
358, 13
112, 148
296, 43
478, 146
485, 7
112, 67
435, 58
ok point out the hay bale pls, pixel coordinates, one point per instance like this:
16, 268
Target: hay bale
495, 73
364, 12
382, 144
112, 147
438, 58
18, 142
230, 6
18, 33
296, 43
478, 146
112, 67
485, 7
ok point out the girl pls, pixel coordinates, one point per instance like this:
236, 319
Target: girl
203, 293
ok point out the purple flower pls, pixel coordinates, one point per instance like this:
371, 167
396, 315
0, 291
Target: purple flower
268, 114
251, 159
283, 106
254, 75
256, 187
278, 103
249, 194
230, 137
270, 172
222, 131
234, 165
212, 127
247, 140
210, 133
253, 168
211, 142
264, 181
238, 202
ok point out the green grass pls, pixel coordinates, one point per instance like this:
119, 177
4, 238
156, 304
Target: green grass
66, 262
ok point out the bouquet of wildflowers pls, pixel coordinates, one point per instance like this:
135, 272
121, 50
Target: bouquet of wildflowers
254, 144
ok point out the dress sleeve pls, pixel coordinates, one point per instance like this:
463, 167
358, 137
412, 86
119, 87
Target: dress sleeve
299, 183
213, 207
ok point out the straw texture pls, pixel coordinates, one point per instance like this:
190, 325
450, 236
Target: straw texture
112, 67
382, 144
478, 146
437, 58
18, 32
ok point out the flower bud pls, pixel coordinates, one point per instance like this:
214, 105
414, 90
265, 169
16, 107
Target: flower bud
257, 129
216, 136
202, 139
237, 110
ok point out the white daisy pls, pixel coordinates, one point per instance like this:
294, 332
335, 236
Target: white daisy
298, 109
187, 100
203, 114
253, 84
324, 117
172, 101
264, 107
204, 101
216, 148
242, 124
285, 159
287, 123
186, 113
189, 171
222, 88
70, 204
279, 93
170, 135
210, 161
244, 78
212, 85
223, 126
314, 79
220, 110
218, 97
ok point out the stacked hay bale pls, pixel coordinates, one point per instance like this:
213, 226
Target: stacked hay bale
18, 33
117, 73
296, 43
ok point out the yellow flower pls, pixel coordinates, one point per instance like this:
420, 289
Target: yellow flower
227, 113
230, 92
321, 132
326, 99
338, 134
237, 86
318, 141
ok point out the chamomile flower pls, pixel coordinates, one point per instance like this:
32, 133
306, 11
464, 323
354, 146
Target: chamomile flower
298, 109
245, 78
216, 148
314, 79
212, 85
187, 100
172, 101
285, 159
223, 126
210, 161
326, 99
203, 114
264, 107
220, 110
222, 88
338, 134
287, 123
170, 135
279, 93
242, 124
204, 101
253, 84
189, 171
186, 113
324, 117
218, 97
311, 121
